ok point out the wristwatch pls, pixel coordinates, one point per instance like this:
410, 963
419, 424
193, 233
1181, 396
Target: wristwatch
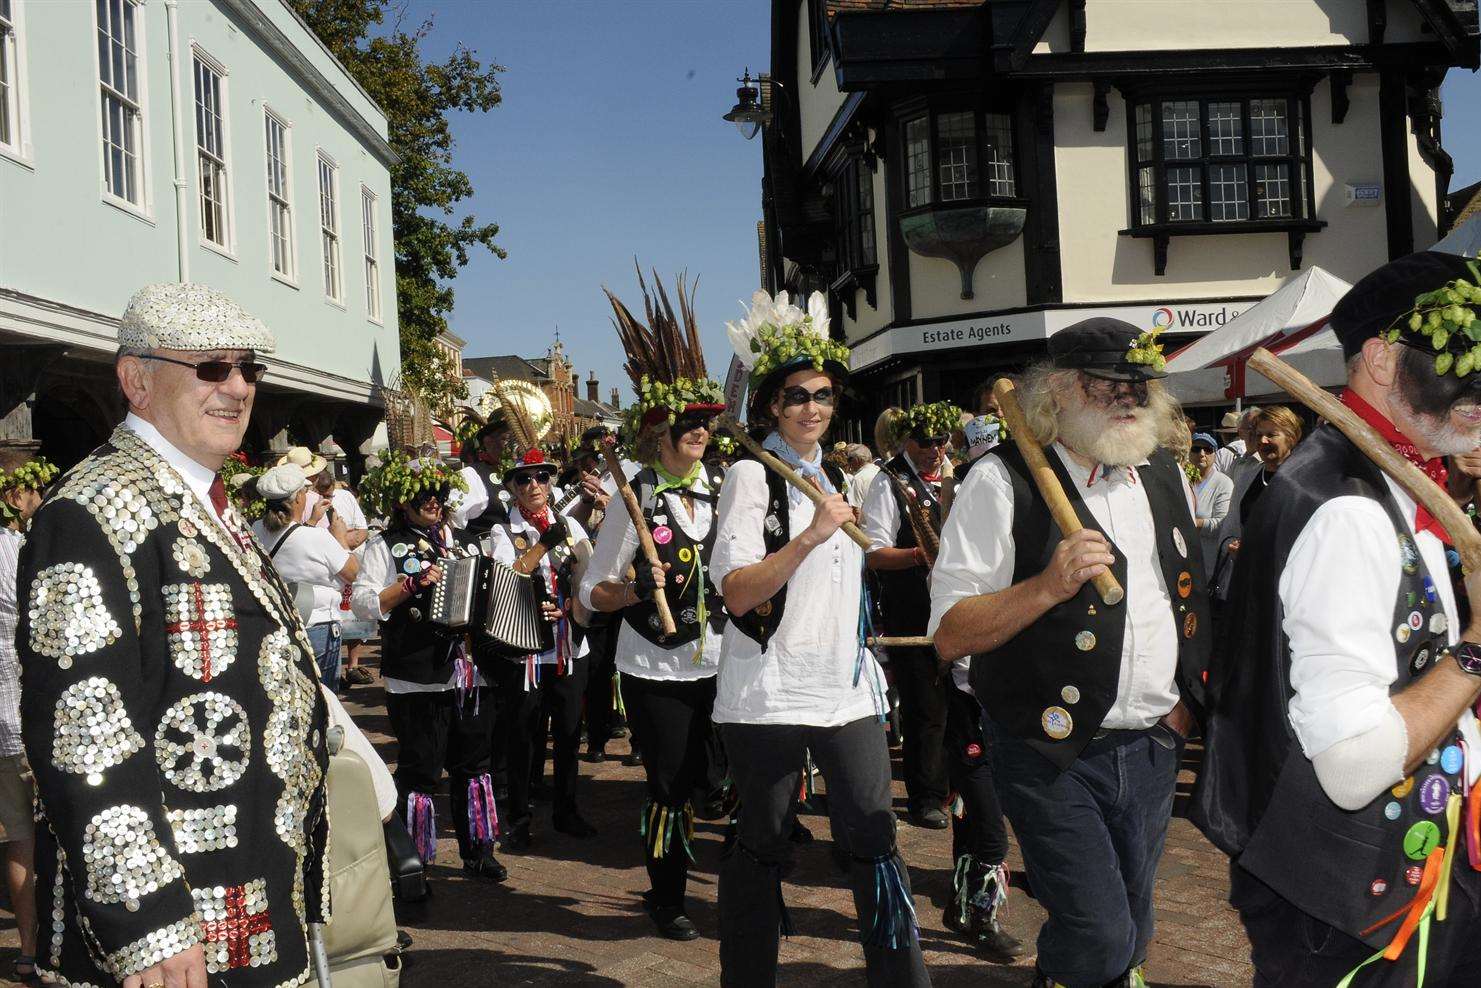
1467, 656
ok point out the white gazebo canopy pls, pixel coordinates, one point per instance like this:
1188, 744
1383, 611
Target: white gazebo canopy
1464, 240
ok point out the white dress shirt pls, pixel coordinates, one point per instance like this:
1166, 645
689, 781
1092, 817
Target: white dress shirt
977, 557
616, 548
859, 483
10, 667
462, 505
806, 674
881, 512
1225, 455
504, 551
197, 478
1338, 590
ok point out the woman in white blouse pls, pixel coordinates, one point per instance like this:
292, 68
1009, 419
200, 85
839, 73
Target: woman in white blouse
794, 674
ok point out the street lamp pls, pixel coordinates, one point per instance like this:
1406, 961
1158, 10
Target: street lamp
748, 115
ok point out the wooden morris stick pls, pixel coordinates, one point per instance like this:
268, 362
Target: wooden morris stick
790, 476
907, 641
1408, 476
645, 537
1047, 481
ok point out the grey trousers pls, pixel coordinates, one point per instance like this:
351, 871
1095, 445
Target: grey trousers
766, 762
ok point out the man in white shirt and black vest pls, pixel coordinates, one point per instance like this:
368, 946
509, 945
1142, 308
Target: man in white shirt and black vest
1087, 704
1342, 747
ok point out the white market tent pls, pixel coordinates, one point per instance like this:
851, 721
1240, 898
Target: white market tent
1291, 322
1464, 240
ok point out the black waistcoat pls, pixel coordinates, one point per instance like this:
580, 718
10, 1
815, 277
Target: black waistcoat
412, 648
679, 551
1052, 684
497, 512
1257, 796
905, 594
760, 623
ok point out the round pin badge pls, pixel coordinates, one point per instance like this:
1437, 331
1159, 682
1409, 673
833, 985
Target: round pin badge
1433, 793
1416, 620
660, 519
1185, 584
1451, 759
1392, 811
763, 609
1070, 694
400, 549
1413, 874
1057, 722
504, 496
1377, 887
1180, 543
974, 750
678, 579
1421, 839
1439, 624
521, 543
1190, 625
1403, 788
685, 555
1085, 641
411, 567
1433, 758
663, 535
1421, 659
1402, 633
187, 529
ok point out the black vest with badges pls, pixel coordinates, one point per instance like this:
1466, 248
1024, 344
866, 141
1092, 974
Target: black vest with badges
681, 553
761, 622
1052, 684
412, 648
497, 511
1257, 796
905, 594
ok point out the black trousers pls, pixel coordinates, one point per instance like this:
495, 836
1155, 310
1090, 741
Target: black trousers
980, 830
522, 712
601, 704
923, 693
434, 732
1292, 949
766, 762
671, 720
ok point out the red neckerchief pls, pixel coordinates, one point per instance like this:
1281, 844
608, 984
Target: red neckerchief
1433, 468
541, 523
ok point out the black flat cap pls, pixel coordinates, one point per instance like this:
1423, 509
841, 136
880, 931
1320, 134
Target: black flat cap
1098, 346
1380, 297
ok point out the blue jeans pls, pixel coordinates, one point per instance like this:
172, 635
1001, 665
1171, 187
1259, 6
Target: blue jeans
325, 639
1091, 837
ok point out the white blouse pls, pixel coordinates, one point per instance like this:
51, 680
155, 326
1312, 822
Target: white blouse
506, 552
616, 548
806, 674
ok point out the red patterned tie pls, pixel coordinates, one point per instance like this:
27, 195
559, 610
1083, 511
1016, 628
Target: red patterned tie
218, 496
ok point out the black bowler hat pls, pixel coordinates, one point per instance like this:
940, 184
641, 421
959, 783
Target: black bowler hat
1102, 347
1380, 297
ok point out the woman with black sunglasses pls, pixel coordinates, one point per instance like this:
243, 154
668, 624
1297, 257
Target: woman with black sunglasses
440, 708
551, 684
795, 673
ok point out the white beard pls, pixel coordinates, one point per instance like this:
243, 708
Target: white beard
1439, 434
1090, 432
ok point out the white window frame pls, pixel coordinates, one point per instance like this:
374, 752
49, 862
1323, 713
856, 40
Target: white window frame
144, 207
285, 201
369, 230
222, 160
16, 108
331, 237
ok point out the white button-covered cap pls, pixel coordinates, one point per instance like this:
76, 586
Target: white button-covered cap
173, 316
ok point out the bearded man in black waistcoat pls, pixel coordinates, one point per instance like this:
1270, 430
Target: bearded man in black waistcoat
1088, 704
1341, 737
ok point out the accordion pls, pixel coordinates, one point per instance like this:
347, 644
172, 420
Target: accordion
454, 597
512, 622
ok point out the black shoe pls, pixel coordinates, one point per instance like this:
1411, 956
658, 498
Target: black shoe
486, 868
517, 839
632, 759
999, 945
574, 826
671, 922
596, 756
930, 818
800, 834
619, 730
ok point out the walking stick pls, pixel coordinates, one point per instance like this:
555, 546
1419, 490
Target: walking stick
1408, 476
790, 476
906, 641
645, 537
1047, 481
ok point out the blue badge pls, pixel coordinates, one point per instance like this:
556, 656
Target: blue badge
1429, 590
1451, 760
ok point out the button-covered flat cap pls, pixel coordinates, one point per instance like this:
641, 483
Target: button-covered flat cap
1108, 348
281, 482
1380, 297
173, 316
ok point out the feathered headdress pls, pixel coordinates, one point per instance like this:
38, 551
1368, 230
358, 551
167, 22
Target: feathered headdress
776, 335
664, 358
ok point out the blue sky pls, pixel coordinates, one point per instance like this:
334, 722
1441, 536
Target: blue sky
609, 144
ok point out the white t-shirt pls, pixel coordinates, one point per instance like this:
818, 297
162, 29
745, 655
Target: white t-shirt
309, 556
345, 507
806, 674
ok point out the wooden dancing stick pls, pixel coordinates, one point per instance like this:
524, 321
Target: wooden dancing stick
1047, 481
791, 476
907, 641
645, 537
1408, 476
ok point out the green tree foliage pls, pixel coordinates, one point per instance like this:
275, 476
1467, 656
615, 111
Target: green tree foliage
432, 243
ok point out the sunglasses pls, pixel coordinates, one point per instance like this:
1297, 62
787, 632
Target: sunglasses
792, 397
216, 371
1105, 392
937, 442
534, 476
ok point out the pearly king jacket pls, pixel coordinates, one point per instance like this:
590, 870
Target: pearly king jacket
172, 717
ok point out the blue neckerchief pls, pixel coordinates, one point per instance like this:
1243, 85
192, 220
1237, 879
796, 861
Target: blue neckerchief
775, 444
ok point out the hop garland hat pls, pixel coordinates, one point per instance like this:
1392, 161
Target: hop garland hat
922, 422
775, 338
399, 479
1428, 300
664, 358
33, 475
1108, 348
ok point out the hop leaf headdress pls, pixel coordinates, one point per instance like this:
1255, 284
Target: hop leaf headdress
240, 477
33, 475
1146, 351
400, 479
775, 333
939, 418
1445, 320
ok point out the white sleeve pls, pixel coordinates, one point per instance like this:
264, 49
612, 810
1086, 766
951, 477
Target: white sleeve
470, 503
742, 512
880, 513
377, 572
617, 544
501, 548
327, 555
349, 510
977, 553
1338, 590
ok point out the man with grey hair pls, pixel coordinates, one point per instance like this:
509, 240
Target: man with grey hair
1240, 451
1087, 703
171, 711
861, 472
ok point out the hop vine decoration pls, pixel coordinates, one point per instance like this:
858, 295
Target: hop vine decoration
33, 475
672, 397
723, 445
1447, 317
1146, 351
399, 479
939, 418
778, 346
240, 477
1191, 472
775, 333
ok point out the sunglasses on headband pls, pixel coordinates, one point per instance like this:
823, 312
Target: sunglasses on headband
216, 371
